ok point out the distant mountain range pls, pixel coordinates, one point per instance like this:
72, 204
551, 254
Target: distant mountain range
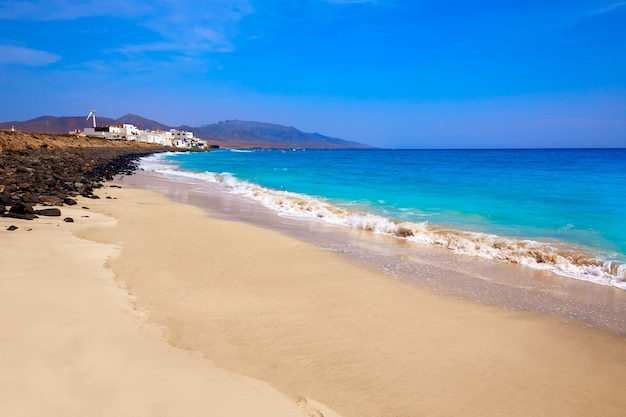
231, 133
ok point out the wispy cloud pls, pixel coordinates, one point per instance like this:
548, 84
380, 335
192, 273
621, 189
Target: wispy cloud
568, 20
195, 27
11, 54
607, 9
184, 26
45, 10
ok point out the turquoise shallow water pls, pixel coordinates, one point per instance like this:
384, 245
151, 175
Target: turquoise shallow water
561, 210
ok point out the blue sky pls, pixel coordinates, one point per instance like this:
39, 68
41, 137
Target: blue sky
390, 73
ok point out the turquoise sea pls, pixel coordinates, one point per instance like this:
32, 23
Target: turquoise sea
558, 210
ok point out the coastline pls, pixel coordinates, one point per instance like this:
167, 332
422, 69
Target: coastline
186, 306
315, 325
437, 270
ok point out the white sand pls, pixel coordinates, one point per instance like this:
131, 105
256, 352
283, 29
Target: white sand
72, 345
263, 305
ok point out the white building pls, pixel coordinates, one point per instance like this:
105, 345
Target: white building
155, 137
131, 132
173, 137
118, 131
108, 132
183, 139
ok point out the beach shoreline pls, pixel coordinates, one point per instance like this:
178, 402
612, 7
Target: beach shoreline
434, 269
314, 325
294, 329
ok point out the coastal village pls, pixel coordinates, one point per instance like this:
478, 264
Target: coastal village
173, 138
122, 131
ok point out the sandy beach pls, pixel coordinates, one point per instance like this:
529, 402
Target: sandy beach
72, 343
151, 307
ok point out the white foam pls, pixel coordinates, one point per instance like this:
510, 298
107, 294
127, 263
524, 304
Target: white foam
573, 263
241, 150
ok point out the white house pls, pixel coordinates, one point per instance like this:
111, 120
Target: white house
108, 132
155, 137
131, 132
183, 139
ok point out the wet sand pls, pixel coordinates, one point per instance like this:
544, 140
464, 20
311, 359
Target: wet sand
315, 324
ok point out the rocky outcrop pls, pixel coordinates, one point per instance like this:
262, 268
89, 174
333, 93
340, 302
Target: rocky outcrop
52, 175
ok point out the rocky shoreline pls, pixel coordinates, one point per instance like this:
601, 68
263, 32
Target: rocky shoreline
50, 170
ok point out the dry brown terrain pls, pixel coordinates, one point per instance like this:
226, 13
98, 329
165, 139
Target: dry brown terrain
21, 140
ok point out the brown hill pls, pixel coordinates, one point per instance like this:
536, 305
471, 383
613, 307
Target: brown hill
142, 123
62, 125
262, 135
54, 125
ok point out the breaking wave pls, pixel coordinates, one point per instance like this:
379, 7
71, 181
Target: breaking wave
559, 258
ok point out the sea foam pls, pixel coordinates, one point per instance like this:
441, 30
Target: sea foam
556, 257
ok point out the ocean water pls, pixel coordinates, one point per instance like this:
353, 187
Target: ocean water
557, 210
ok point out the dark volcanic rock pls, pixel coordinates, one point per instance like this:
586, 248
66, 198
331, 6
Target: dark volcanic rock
12, 228
20, 216
68, 220
30, 198
21, 208
50, 212
51, 176
51, 200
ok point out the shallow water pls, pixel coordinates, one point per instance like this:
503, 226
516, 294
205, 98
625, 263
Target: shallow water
556, 210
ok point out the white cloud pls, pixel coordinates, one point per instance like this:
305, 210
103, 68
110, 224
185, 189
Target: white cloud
11, 54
